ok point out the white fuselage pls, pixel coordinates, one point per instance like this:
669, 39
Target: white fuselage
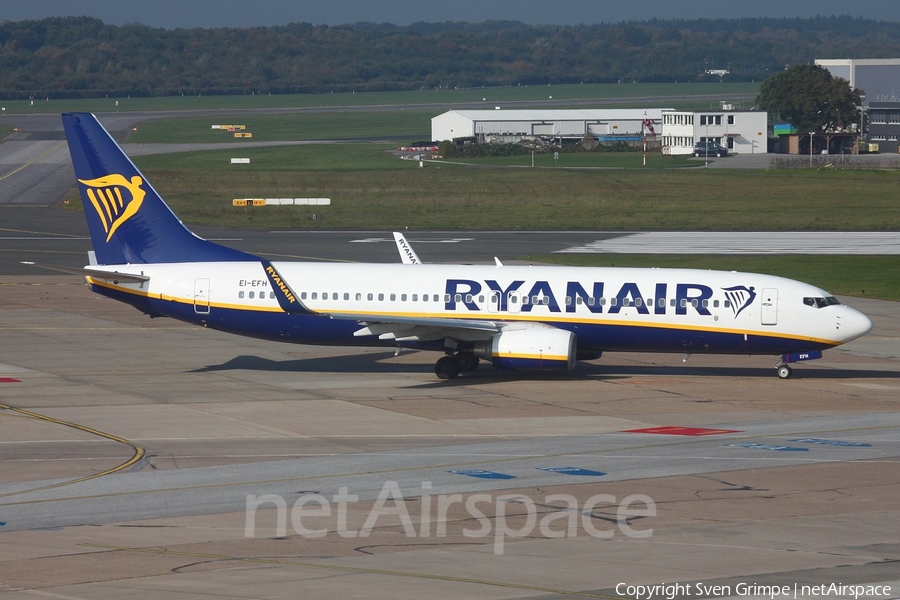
606, 308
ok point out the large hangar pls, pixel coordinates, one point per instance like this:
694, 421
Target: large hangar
878, 78
515, 125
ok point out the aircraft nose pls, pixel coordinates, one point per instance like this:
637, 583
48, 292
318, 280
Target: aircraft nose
853, 324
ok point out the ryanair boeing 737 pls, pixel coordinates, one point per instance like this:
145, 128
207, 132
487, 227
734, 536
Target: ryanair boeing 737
514, 317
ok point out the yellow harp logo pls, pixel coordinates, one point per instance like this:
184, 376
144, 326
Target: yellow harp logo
114, 208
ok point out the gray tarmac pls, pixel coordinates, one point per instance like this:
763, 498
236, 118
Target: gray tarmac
797, 480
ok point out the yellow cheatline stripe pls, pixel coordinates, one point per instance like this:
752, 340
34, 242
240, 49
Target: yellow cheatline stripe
348, 569
550, 357
138, 451
31, 162
501, 317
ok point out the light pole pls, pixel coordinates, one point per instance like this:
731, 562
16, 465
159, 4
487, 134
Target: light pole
862, 109
706, 145
644, 136
810, 148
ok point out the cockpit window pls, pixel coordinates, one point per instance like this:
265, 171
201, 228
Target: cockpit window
821, 302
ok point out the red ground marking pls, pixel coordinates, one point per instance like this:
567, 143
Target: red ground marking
675, 430
9, 380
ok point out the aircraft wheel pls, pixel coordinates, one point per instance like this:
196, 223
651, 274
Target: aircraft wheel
467, 362
447, 367
783, 371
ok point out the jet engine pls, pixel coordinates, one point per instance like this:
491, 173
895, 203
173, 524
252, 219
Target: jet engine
535, 348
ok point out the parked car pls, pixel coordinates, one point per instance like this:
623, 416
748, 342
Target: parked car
709, 149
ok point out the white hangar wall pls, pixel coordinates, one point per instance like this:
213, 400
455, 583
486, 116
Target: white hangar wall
513, 125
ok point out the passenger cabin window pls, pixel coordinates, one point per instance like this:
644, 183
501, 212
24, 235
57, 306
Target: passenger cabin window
240, 294
381, 297
370, 296
251, 294
402, 297
346, 296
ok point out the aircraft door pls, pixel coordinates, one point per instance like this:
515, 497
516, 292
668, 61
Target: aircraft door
769, 311
493, 302
201, 296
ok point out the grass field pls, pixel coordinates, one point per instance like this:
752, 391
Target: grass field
869, 276
443, 97
411, 125
371, 188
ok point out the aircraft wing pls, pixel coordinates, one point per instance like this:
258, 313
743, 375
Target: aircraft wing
420, 329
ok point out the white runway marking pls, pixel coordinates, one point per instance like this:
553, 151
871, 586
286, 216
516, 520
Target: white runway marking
375, 240
746, 242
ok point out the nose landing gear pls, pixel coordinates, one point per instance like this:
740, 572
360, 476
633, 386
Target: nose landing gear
783, 371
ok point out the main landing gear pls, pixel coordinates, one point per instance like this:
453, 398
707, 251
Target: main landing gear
450, 366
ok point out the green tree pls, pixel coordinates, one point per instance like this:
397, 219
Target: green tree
810, 99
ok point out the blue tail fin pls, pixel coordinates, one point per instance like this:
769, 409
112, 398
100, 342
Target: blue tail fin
128, 221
